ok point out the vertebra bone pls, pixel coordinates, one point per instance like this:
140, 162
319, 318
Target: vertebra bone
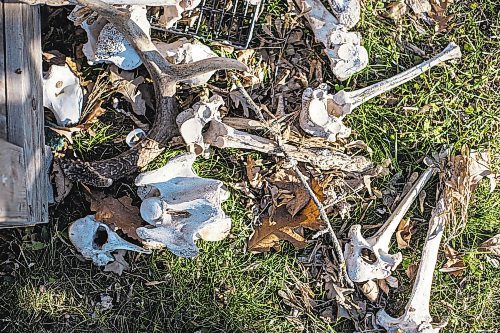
95, 240
360, 268
417, 318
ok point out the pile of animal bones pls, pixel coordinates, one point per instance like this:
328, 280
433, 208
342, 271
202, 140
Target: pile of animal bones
181, 207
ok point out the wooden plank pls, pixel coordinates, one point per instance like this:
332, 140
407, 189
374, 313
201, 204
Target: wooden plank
3, 110
13, 203
24, 96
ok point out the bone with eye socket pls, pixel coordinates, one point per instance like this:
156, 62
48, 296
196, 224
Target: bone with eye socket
417, 318
359, 267
322, 113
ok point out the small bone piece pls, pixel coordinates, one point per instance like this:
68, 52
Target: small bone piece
181, 207
417, 318
347, 12
173, 12
344, 49
95, 240
106, 44
184, 52
369, 258
135, 136
192, 121
63, 94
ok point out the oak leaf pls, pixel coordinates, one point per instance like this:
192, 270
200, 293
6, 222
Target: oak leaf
128, 87
491, 245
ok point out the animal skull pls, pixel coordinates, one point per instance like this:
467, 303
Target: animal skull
369, 258
95, 240
63, 94
181, 207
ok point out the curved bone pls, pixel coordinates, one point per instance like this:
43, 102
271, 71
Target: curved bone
417, 318
346, 101
63, 94
221, 135
164, 76
361, 269
182, 207
95, 240
344, 49
192, 121
134, 136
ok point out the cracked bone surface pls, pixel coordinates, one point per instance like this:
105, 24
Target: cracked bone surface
172, 12
416, 317
369, 258
346, 101
107, 44
221, 135
343, 48
181, 207
63, 94
192, 121
96, 241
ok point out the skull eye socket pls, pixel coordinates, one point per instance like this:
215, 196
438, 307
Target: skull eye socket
100, 237
368, 255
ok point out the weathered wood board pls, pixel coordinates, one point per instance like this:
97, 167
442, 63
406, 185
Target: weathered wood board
21, 116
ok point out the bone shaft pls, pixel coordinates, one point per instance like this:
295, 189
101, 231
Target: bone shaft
358, 97
421, 292
384, 234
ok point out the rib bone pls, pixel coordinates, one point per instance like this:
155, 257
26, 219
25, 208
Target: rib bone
360, 268
416, 317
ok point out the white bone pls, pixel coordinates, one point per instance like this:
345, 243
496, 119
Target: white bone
417, 318
63, 94
346, 101
221, 135
95, 240
360, 268
181, 207
184, 52
106, 44
347, 12
135, 136
192, 121
173, 12
343, 48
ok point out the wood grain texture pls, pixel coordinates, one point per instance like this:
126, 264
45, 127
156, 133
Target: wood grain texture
24, 100
3, 110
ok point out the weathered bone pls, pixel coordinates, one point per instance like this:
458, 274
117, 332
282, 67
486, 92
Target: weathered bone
173, 12
95, 240
134, 136
63, 94
221, 135
182, 207
359, 267
164, 76
343, 48
417, 318
347, 12
109, 2
346, 101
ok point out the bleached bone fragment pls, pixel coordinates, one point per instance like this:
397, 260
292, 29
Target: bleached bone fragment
173, 12
221, 135
96, 241
346, 101
417, 317
184, 52
135, 136
347, 12
192, 121
369, 258
342, 47
106, 44
181, 207
63, 94
319, 117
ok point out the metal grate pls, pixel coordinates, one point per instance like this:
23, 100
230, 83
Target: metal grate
226, 21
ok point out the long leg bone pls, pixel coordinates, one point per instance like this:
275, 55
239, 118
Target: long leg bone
369, 258
416, 317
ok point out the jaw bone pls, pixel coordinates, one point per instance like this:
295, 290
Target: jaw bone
380, 263
417, 318
322, 113
95, 240
181, 207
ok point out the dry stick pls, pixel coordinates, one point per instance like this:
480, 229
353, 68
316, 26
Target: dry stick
303, 179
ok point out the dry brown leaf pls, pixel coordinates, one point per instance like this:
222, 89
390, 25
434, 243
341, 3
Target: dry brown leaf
404, 232
285, 227
253, 173
127, 86
370, 289
395, 10
411, 271
491, 245
91, 117
63, 184
437, 13
290, 191
455, 264
117, 213
119, 265
383, 285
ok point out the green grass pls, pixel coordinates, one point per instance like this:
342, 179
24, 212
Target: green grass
46, 288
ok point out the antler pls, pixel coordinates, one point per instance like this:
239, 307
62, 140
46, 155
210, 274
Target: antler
165, 76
